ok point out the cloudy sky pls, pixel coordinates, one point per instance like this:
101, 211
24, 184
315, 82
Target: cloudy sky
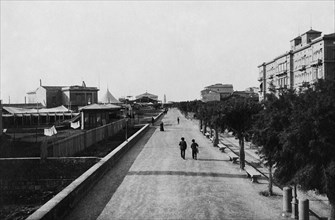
162, 47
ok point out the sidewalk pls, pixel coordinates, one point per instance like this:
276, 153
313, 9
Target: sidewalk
161, 185
317, 203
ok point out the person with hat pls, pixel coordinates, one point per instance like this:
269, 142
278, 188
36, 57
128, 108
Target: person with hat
195, 149
183, 146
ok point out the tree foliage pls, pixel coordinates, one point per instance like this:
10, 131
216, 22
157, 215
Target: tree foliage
296, 132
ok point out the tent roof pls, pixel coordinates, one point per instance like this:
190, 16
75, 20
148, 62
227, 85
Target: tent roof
109, 98
14, 110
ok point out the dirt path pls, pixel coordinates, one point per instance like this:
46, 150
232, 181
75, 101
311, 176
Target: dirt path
161, 185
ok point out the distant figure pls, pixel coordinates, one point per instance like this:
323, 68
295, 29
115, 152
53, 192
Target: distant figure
183, 147
195, 149
178, 120
152, 120
162, 126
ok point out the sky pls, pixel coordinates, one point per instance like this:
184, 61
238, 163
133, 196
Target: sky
166, 47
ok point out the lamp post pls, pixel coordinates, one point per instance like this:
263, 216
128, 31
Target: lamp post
126, 119
37, 120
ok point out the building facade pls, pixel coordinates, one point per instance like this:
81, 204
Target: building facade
311, 57
216, 92
72, 97
0, 117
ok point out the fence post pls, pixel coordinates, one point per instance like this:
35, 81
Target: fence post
294, 203
44, 151
287, 198
303, 209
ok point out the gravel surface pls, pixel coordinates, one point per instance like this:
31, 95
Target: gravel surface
153, 182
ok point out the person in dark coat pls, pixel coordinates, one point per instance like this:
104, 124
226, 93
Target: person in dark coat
195, 150
183, 147
178, 120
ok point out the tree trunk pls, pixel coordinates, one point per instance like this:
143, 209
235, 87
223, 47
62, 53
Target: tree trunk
332, 210
200, 124
216, 138
242, 154
270, 180
205, 127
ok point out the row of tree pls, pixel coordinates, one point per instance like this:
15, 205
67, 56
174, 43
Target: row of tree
295, 132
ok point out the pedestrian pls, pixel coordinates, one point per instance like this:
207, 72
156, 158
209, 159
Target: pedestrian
195, 149
152, 120
178, 120
162, 126
183, 147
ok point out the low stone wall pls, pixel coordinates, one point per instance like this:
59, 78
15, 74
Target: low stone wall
24, 186
58, 206
16, 181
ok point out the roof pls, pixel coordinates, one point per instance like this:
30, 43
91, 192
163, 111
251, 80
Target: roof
144, 99
15, 110
53, 87
311, 31
109, 98
220, 85
146, 94
299, 37
65, 88
100, 107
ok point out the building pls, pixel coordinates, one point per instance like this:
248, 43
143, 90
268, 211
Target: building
14, 117
147, 95
72, 97
216, 92
311, 57
0, 118
96, 115
247, 94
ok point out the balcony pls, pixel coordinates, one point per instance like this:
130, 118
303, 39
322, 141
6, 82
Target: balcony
317, 62
281, 73
302, 67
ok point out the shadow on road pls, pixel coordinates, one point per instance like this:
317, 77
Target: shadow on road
213, 160
182, 173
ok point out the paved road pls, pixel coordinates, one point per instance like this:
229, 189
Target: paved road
156, 183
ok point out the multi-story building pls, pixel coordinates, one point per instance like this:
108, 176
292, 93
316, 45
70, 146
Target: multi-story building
72, 97
216, 92
0, 118
311, 57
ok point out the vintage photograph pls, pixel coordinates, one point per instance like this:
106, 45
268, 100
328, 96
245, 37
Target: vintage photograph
167, 109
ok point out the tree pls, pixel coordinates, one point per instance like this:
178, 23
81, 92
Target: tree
238, 117
268, 125
307, 157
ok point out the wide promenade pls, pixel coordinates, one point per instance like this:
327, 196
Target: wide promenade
153, 182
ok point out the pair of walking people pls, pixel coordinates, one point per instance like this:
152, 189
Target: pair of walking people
183, 147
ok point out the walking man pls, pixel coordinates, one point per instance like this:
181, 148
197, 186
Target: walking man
195, 150
183, 147
178, 120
